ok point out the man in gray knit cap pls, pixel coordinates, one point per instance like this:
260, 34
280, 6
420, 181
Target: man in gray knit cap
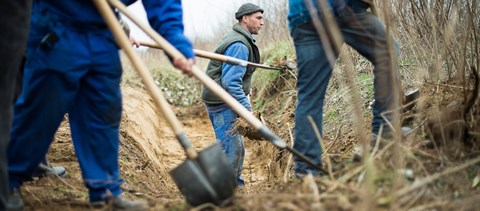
236, 80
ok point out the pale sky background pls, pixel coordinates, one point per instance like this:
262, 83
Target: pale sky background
202, 18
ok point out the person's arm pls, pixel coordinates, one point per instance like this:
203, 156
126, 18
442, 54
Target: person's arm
166, 18
126, 29
232, 75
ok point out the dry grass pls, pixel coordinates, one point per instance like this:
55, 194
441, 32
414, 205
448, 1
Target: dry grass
433, 168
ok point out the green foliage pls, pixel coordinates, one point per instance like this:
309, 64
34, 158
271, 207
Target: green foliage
177, 88
407, 61
330, 115
263, 78
366, 85
269, 82
259, 105
272, 55
335, 109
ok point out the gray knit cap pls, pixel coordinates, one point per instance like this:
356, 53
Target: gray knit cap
246, 9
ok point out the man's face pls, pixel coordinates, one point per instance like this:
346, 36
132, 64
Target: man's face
254, 22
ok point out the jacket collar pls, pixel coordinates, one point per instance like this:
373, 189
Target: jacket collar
242, 30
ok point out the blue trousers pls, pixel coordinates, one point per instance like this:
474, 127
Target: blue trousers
80, 75
366, 34
222, 118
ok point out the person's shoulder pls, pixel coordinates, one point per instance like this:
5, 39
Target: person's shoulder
230, 33
239, 44
233, 37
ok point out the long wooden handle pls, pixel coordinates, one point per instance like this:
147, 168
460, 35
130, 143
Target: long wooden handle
199, 53
123, 41
218, 57
196, 72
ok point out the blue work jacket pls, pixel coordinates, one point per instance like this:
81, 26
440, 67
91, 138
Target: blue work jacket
298, 11
232, 75
164, 16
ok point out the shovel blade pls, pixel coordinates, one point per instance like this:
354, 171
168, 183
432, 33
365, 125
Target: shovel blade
207, 179
219, 171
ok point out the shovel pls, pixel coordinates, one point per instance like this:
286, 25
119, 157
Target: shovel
222, 58
205, 177
215, 88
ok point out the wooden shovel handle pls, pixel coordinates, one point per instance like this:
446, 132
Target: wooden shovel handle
199, 53
217, 57
123, 41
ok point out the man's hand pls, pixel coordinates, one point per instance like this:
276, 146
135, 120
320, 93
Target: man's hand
185, 65
133, 41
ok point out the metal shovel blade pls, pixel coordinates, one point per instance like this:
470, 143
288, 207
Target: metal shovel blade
207, 179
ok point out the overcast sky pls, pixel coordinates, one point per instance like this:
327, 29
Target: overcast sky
202, 18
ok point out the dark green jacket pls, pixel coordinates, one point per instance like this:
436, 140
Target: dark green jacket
214, 68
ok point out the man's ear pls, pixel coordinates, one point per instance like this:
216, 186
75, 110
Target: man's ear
245, 18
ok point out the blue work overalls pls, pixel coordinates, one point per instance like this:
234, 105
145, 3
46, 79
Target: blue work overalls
71, 70
73, 67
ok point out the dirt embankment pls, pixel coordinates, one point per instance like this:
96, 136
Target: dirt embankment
148, 151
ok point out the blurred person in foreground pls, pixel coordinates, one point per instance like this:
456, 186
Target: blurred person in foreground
14, 22
45, 169
361, 30
73, 67
236, 80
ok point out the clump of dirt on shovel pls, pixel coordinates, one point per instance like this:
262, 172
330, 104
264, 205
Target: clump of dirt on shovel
247, 130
